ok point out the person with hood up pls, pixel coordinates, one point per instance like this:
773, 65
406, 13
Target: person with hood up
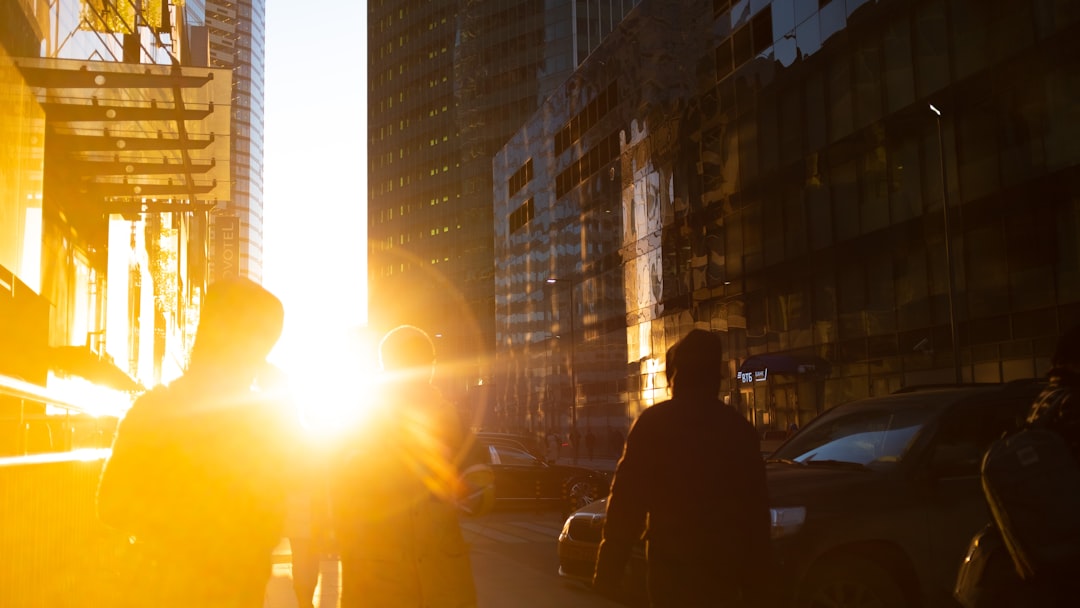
691, 480
200, 468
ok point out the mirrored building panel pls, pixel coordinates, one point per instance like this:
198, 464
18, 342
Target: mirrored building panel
858, 196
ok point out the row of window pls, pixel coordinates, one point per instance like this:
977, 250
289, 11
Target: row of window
520, 177
607, 100
745, 44
522, 215
591, 162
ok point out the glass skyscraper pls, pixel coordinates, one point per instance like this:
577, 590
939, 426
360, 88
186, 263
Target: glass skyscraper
449, 82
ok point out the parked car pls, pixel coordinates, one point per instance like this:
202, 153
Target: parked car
772, 439
520, 442
873, 502
524, 481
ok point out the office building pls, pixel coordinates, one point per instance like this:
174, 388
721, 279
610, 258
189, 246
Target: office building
237, 41
448, 83
859, 196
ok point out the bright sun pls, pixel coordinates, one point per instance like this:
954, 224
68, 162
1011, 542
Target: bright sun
332, 374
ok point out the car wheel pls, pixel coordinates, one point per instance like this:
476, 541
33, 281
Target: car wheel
580, 492
850, 582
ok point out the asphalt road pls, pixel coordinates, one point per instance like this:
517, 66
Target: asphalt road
515, 565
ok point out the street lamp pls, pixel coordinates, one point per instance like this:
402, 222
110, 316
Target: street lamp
573, 367
948, 249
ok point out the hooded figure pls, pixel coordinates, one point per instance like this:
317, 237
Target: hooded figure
395, 491
199, 468
691, 480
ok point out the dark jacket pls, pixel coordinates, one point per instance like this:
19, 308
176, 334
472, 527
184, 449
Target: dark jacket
198, 478
693, 470
1058, 408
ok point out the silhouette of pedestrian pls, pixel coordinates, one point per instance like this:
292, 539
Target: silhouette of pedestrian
590, 443
199, 468
575, 443
615, 442
395, 488
991, 577
552, 446
692, 480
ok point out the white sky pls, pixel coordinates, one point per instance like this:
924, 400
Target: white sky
315, 181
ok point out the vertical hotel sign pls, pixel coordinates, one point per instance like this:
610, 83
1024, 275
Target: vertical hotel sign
225, 256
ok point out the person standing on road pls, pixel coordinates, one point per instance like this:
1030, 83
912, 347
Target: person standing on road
552, 447
692, 481
1057, 409
394, 491
200, 468
575, 443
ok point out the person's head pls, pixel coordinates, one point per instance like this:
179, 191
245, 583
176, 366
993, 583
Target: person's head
408, 353
695, 364
239, 323
669, 365
1067, 353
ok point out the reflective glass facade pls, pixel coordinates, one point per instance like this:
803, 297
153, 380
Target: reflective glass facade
449, 82
237, 33
779, 179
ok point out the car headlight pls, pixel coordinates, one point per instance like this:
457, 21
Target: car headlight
786, 520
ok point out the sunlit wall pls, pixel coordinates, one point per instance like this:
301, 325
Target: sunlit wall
22, 163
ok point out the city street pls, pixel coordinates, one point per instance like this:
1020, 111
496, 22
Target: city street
514, 563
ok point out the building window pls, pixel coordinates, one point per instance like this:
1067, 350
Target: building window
520, 177
522, 215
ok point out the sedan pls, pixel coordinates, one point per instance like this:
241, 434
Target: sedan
872, 503
524, 481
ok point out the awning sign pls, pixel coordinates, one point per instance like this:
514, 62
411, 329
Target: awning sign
755, 376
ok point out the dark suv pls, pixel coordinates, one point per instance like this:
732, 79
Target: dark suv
873, 502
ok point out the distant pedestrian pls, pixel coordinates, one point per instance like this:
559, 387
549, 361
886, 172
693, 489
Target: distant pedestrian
575, 443
553, 442
590, 443
395, 489
692, 481
200, 468
615, 442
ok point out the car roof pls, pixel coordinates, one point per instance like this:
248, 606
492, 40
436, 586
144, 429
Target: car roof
946, 395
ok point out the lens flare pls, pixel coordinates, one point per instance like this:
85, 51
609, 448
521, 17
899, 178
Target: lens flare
331, 377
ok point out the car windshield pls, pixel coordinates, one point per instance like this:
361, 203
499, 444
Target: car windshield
858, 435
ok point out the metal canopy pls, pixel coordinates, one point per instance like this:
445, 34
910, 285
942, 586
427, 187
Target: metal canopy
118, 134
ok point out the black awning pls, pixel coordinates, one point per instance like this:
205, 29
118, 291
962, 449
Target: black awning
786, 364
82, 362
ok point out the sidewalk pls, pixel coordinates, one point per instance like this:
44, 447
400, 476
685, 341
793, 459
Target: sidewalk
279, 591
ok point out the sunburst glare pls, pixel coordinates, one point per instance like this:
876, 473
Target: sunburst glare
332, 376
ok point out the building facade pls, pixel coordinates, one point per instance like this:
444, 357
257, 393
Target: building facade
236, 30
778, 172
119, 151
449, 82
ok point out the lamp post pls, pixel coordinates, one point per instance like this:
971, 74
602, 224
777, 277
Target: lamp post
948, 249
573, 367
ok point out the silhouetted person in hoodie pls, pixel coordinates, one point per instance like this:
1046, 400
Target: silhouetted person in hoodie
692, 480
200, 468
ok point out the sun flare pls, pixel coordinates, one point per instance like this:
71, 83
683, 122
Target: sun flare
332, 376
